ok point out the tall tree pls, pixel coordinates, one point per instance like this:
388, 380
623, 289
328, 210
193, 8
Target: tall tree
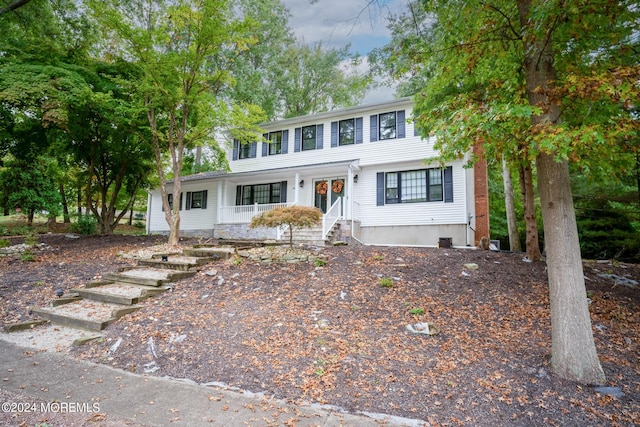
537, 62
182, 49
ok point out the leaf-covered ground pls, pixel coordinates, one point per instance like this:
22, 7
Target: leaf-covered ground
335, 335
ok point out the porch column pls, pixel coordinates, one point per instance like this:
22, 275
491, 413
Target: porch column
221, 186
348, 203
296, 186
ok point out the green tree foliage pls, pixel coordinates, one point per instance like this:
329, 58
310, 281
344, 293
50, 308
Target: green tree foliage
28, 186
535, 80
183, 50
292, 216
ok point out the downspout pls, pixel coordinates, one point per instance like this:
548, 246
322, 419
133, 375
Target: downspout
149, 210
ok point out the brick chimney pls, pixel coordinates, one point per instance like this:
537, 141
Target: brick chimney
481, 190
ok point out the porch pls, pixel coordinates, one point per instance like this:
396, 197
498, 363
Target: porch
239, 217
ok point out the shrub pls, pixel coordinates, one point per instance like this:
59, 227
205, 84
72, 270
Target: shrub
4, 243
417, 311
86, 224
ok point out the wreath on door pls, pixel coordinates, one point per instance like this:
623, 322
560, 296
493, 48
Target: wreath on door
322, 187
337, 186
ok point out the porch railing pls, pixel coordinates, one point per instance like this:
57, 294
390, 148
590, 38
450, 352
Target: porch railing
331, 217
243, 214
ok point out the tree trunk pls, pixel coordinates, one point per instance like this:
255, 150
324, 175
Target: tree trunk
65, 205
573, 350
532, 245
512, 225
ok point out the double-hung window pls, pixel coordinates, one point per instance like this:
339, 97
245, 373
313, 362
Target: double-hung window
244, 152
389, 125
346, 132
309, 137
275, 142
196, 200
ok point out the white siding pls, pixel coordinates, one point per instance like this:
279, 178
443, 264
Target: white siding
192, 219
420, 213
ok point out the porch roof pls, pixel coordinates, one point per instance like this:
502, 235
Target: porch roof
239, 175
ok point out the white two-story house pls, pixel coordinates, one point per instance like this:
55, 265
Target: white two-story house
364, 167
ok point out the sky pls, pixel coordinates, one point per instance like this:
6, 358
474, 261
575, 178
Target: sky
337, 23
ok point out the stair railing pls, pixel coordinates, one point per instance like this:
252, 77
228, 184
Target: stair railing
330, 218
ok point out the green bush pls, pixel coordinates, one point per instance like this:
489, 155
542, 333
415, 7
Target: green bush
4, 243
386, 282
138, 224
86, 224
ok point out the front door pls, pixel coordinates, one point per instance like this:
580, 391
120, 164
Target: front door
327, 191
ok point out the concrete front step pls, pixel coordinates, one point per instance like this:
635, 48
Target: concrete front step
117, 293
147, 276
84, 314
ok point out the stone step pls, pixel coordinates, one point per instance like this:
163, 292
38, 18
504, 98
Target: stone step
117, 293
147, 276
167, 265
210, 252
84, 314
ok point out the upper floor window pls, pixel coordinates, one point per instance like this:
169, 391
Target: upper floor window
308, 138
275, 142
387, 125
423, 185
346, 132
244, 151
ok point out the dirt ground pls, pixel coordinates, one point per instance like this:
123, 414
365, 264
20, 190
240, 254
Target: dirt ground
335, 335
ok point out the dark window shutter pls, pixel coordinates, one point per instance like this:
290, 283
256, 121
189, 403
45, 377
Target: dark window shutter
285, 141
254, 149
448, 185
359, 130
380, 189
334, 134
400, 123
238, 195
373, 136
297, 140
319, 136
283, 192
180, 205
265, 149
204, 199
236, 149
187, 205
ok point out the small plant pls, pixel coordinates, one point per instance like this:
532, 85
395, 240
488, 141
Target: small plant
237, 260
378, 257
386, 282
417, 311
27, 256
138, 224
38, 283
30, 239
4, 243
319, 262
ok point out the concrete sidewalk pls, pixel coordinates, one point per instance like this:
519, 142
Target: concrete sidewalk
64, 383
